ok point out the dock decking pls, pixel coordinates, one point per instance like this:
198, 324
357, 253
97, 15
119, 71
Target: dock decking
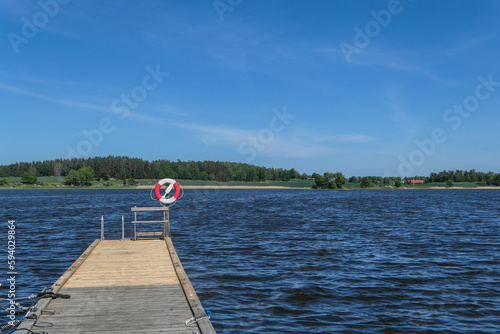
123, 287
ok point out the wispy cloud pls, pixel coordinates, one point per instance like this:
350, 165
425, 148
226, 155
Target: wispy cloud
64, 102
401, 66
346, 138
282, 145
77, 104
215, 135
412, 61
171, 110
408, 63
466, 44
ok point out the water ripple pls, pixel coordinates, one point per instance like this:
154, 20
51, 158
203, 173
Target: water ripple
295, 261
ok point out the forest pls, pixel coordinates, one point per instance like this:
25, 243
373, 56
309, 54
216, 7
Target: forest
457, 176
122, 168
126, 168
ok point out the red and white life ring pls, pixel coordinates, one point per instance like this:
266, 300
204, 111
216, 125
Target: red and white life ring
171, 184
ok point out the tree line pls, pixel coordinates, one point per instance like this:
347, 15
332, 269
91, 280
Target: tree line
329, 181
489, 178
80, 171
482, 178
123, 168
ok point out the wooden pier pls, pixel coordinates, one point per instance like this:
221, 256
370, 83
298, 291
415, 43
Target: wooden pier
122, 287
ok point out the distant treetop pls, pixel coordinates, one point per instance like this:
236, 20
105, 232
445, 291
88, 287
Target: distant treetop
121, 167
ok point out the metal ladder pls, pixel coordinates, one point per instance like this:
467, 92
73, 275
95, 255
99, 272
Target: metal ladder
166, 222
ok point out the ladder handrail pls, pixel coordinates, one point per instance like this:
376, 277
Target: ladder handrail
165, 221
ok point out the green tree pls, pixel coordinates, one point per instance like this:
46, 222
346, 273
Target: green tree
80, 177
489, 178
285, 175
339, 180
365, 182
329, 181
4, 183
398, 183
319, 183
204, 176
72, 178
28, 178
473, 175
294, 174
252, 175
496, 180
449, 183
87, 175
133, 182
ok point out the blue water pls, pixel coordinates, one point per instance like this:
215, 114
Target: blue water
293, 261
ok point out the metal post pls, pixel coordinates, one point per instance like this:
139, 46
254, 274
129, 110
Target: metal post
135, 226
165, 231
123, 228
102, 228
167, 213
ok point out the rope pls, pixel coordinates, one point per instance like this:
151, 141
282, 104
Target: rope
20, 298
151, 193
26, 310
28, 330
22, 308
10, 325
490, 330
194, 320
53, 295
191, 321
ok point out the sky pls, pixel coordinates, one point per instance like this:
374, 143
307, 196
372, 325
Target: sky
390, 88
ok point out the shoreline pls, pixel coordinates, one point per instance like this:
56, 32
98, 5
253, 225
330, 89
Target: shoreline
482, 187
225, 187
259, 187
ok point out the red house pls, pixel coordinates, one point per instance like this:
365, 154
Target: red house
416, 181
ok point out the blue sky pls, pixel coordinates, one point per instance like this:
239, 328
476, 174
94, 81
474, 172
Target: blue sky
362, 87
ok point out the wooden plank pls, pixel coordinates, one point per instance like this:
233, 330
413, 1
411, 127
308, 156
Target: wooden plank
121, 263
27, 324
124, 287
127, 309
202, 319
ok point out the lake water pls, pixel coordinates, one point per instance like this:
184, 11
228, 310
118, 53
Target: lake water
293, 261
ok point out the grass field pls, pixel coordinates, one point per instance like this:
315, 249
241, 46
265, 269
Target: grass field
51, 182
44, 179
291, 184
443, 184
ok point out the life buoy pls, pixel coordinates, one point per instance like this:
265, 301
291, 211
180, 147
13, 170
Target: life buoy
171, 184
